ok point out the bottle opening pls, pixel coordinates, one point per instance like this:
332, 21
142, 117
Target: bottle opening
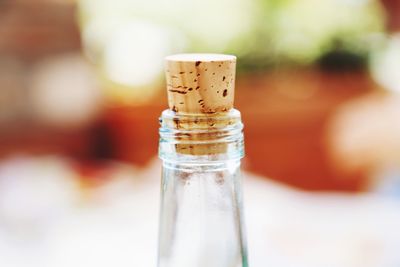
201, 137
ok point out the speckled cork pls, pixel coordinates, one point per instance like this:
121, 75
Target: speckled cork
200, 83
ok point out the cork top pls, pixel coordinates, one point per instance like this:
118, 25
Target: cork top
200, 83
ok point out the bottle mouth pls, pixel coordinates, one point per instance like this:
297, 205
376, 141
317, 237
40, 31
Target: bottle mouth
212, 137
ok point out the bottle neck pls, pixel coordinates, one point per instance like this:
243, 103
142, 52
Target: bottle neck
201, 138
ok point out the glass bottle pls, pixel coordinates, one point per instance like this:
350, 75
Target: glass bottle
201, 221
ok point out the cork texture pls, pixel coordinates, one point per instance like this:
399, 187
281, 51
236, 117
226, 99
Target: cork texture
200, 83
201, 86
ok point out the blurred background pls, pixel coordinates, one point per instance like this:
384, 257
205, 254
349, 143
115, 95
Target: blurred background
81, 89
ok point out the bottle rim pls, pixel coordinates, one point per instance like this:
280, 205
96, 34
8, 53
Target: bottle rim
209, 137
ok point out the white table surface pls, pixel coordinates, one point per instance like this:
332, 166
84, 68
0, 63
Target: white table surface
46, 221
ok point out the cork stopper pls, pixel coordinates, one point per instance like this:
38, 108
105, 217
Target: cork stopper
200, 83
200, 98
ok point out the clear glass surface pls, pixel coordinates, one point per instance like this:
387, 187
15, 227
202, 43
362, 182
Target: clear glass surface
201, 215
201, 199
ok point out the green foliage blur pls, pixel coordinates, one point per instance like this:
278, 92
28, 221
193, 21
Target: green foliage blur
262, 33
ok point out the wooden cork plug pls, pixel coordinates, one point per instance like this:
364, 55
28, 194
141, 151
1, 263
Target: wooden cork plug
200, 83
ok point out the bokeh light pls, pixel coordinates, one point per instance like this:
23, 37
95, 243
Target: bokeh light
82, 87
